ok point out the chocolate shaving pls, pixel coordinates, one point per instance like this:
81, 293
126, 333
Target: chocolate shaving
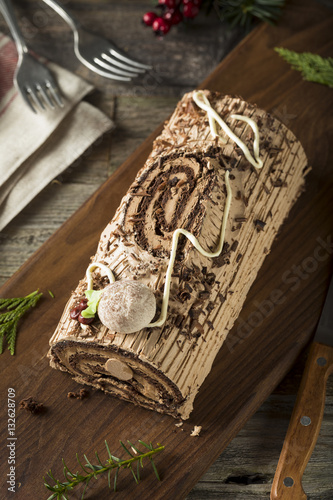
198, 326
234, 246
210, 306
278, 183
210, 278
260, 225
179, 320
184, 296
194, 313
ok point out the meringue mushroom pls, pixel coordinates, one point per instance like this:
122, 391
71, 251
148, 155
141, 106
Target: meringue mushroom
126, 306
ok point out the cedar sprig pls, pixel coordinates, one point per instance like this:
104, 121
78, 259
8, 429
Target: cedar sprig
14, 310
60, 489
313, 67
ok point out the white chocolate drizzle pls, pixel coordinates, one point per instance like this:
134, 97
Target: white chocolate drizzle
201, 100
103, 267
197, 245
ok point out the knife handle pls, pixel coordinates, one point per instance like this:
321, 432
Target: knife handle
304, 426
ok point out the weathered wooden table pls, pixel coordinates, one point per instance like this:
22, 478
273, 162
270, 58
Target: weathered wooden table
181, 61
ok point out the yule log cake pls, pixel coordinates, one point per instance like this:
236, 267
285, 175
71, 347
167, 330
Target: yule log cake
174, 266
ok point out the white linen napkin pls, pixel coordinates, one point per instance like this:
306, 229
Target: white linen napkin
35, 148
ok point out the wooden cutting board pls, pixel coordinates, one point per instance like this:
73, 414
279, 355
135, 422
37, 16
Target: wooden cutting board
260, 349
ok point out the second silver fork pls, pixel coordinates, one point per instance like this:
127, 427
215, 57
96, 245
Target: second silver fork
98, 54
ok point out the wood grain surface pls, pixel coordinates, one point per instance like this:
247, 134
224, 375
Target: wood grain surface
263, 346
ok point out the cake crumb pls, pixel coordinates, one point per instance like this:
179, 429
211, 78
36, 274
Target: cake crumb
179, 424
30, 404
83, 393
196, 431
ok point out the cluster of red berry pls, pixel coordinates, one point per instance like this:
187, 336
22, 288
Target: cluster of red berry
172, 12
76, 313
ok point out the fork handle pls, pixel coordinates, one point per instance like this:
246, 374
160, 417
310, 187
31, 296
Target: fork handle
8, 13
64, 13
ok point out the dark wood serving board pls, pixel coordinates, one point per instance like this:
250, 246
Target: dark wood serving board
262, 346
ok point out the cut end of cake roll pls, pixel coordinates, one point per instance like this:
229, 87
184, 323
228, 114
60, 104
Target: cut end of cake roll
119, 373
224, 176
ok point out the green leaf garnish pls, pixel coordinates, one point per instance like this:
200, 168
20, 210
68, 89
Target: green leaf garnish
93, 297
313, 67
60, 489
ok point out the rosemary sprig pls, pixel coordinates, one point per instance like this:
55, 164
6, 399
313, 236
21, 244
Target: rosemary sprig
14, 310
313, 67
60, 489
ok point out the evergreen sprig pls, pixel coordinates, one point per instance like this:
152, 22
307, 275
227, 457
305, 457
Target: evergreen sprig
60, 489
244, 12
14, 310
313, 67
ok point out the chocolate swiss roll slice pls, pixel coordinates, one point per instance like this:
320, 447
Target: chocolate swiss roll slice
154, 308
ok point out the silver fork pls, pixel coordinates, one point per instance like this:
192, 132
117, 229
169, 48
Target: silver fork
97, 53
32, 79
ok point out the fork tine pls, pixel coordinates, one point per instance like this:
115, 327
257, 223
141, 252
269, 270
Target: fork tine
24, 94
35, 98
52, 87
99, 70
45, 96
112, 68
121, 65
122, 57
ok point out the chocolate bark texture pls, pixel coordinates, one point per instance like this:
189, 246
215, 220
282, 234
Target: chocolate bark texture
182, 185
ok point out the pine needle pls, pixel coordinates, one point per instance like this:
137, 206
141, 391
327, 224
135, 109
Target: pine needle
60, 489
244, 13
14, 309
313, 67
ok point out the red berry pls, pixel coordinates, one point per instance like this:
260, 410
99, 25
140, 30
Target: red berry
173, 16
190, 10
168, 15
196, 2
149, 18
74, 314
171, 4
177, 17
161, 26
83, 304
85, 321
